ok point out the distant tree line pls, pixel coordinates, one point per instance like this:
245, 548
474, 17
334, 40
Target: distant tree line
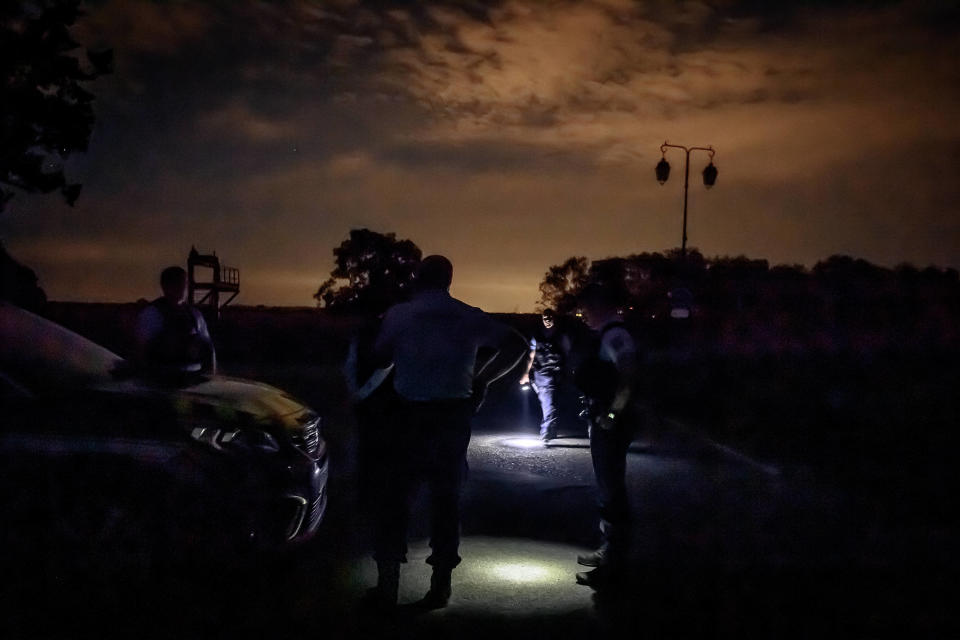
728, 304
739, 304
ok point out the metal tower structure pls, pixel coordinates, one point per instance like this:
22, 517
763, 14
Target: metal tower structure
225, 280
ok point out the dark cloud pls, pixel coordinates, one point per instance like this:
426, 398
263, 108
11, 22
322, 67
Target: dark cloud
508, 134
482, 156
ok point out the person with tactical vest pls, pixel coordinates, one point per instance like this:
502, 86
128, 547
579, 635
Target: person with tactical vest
547, 349
608, 380
172, 336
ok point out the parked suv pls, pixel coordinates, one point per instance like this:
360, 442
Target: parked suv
99, 459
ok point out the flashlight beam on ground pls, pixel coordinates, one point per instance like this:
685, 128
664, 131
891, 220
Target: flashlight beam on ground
523, 443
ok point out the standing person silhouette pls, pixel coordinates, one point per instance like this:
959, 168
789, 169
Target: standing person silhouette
547, 349
172, 336
434, 342
608, 379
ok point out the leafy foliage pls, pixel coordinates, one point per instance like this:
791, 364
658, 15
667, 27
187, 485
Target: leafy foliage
373, 271
561, 284
45, 113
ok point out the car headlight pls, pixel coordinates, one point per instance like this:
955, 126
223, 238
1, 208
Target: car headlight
221, 439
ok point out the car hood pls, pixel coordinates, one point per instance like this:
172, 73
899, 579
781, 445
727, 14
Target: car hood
241, 400
227, 400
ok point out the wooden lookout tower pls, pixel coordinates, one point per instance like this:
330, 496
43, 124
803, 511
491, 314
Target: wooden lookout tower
223, 280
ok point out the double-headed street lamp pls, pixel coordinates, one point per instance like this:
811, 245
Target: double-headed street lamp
709, 179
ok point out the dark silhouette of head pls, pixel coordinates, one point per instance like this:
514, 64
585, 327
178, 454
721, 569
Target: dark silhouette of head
435, 272
173, 281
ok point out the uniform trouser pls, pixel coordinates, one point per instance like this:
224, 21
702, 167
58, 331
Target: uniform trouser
608, 449
432, 448
376, 447
547, 395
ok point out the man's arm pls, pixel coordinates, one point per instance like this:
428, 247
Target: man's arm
625, 384
351, 374
622, 351
525, 378
510, 348
210, 353
384, 344
149, 325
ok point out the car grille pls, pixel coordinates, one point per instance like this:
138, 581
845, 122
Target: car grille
317, 509
307, 439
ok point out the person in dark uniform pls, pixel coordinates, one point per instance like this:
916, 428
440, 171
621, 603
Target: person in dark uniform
172, 336
608, 380
547, 349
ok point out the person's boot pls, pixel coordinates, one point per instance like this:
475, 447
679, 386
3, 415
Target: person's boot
439, 594
598, 558
597, 579
383, 597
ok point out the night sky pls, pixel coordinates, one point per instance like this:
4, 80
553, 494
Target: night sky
507, 136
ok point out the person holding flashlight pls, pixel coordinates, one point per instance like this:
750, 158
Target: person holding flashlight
547, 349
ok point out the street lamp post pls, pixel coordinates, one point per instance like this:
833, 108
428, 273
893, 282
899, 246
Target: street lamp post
663, 172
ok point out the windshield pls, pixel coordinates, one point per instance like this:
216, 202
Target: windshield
40, 354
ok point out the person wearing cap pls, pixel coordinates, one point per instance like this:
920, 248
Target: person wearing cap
171, 335
547, 348
608, 380
444, 354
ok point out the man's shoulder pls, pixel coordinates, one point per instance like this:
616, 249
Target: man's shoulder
151, 310
442, 301
618, 338
469, 309
154, 305
446, 306
397, 311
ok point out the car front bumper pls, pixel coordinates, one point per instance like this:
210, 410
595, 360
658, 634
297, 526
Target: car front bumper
305, 504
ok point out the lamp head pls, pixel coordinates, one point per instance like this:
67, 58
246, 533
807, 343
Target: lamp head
710, 175
662, 170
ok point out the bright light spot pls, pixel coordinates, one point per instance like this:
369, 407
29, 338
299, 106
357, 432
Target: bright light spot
524, 443
519, 572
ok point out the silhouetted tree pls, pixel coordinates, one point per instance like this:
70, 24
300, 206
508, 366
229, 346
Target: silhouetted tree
18, 284
45, 114
738, 268
561, 284
788, 272
373, 271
